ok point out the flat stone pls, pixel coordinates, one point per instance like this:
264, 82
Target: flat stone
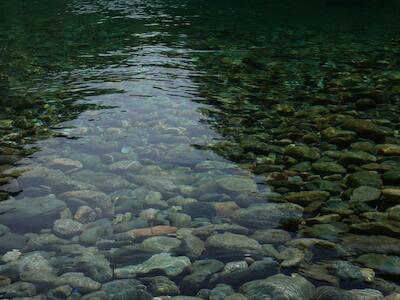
384, 264
389, 149
161, 244
163, 262
152, 231
306, 197
391, 194
228, 242
365, 194
67, 227
239, 184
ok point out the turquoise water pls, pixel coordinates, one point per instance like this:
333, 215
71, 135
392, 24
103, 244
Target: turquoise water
204, 149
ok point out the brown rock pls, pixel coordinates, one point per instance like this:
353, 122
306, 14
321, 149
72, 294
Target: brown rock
389, 149
391, 194
306, 197
152, 231
225, 209
364, 128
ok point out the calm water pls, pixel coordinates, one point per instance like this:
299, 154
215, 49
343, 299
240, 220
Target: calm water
213, 150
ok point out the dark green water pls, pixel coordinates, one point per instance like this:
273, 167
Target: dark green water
199, 149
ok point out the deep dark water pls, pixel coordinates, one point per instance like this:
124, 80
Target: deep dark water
199, 149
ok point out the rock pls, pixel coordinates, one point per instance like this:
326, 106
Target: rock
4, 281
89, 197
92, 234
192, 246
18, 289
234, 266
80, 281
306, 197
67, 227
96, 266
386, 228
391, 194
302, 152
267, 215
291, 257
391, 177
367, 294
85, 214
65, 163
239, 184
202, 271
279, 286
30, 213
389, 149
179, 219
10, 256
384, 264
258, 270
372, 243
347, 271
43, 241
364, 178
221, 292
199, 210
62, 291
365, 129
356, 157
271, 236
333, 293
11, 241
328, 168
161, 244
228, 242
152, 231
307, 243
337, 136
225, 209
124, 289
365, 194
163, 262
163, 286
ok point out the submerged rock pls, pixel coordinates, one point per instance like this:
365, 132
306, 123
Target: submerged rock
164, 263
230, 242
384, 264
279, 286
30, 213
267, 215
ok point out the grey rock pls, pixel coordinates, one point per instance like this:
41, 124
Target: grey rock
279, 286
365, 194
30, 213
228, 242
161, 285
18, 289
161, 244
221, 292
80, 281
383, 264
67, 227
333, 293
96, 266
239, 184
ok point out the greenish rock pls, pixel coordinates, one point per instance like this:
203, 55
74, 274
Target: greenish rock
125, 289
227, 242
161, 244
306, 197
268, 215
328, 168
390, 228
337, 206
356, 157
372, 243
80, 281
391, 177
322, 231
163, 286
163, 263
191, 245
384, 264
365, 128
239, 184
18, 290
221, 292
365, 194
347, 271
302, 152
96, 266
333, 293
324, 185
67, 227
271, 236
364, 178
279, 286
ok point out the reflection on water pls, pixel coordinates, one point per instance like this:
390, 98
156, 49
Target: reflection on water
213, 150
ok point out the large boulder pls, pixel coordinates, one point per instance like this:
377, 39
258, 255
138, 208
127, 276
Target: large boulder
30, 213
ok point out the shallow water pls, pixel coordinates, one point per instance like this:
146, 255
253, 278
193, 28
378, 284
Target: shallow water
217, 145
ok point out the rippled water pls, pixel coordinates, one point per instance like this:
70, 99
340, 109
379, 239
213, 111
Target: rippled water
214, 150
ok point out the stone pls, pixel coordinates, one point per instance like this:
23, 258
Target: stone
152, 231
239, 184
391, 177
30, 212
199, 210
161, 244
201, 272
365, 194
328, 168
367, 294
225, 209
80, 281
67, 227
268, 215
356, 157
10, 256
96, 266
11, 241
302, 152
163, 286
333, 293
228, 242
279, 286
364, 128
306, 197
221, 292
163, 263
191, 245
391, 194
371, 244
65, 163
258, 270
347, 271
364, 178
384, 264
124, 289
18, 289
89, 197
389, 149
390, 228
271, 236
